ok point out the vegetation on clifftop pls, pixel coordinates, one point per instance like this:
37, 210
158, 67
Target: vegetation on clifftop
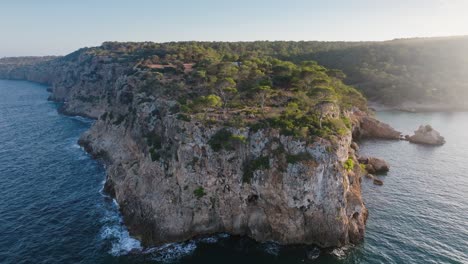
236, 86
418, 70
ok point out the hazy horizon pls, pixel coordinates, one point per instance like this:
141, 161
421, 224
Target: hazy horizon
52, 27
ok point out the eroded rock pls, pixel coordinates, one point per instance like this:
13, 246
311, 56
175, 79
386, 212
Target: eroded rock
374, 165
426, 135
378, 182
369, 127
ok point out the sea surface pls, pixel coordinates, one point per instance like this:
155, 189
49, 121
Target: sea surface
53, 210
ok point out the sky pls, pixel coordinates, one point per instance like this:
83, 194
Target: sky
58, 27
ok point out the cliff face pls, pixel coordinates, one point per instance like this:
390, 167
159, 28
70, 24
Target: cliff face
305, 201
172, 184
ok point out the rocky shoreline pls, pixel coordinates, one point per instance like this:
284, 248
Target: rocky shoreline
172, 185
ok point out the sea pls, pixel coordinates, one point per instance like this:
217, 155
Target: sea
53, 208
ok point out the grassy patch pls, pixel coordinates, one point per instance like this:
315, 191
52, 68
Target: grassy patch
349, 164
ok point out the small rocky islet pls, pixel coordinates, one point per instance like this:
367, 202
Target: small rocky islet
426, 135
254, 146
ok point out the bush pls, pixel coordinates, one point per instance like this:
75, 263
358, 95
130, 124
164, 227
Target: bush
224, 139
260, 163
199, 192
183, 117
258, 126
155, 155
154, 140
338, 125
363, 168
293, 159
349, 164
239, 138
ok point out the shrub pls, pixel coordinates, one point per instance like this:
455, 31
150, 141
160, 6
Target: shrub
236, 121
338, 125
224, 139
260, 163
154, 140
349, 164
199, 192
363, 168
239, 138
220, 140
293, 159
155, 155
258, 126
183, 117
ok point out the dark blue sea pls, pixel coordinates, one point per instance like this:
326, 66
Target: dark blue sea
53, 210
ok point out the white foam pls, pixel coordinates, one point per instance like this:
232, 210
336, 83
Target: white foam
122, 242
271, 248
114, 231
173, 251
340, 253
101, 190
313, 254
82, 119
209, 240
116, 204
223, 235
212, 239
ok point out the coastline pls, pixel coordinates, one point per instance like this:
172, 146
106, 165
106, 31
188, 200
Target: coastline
412, 107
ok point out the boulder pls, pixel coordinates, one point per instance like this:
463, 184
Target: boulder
379, 165
374, 165
426, 135
370, 168
355, 146
378, 182
373, 128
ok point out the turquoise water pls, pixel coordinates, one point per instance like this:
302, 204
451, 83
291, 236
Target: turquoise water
52, 209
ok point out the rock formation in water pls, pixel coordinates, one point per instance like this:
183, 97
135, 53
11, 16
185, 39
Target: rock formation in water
177, 175
374, 165
426, 135
369, 127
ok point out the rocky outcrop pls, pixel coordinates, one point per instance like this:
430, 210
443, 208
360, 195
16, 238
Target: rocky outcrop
369, 127
426, 135
172, 184
374, 165
373, 128
190, 189
378, 182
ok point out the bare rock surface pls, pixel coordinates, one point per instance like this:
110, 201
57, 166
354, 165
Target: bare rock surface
374, 165
378, 182
369, 127
426, 135
373, 128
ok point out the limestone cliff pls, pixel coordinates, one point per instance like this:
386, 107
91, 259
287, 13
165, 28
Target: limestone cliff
172, 184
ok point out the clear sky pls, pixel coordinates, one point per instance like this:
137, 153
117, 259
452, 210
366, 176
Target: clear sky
55, 27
